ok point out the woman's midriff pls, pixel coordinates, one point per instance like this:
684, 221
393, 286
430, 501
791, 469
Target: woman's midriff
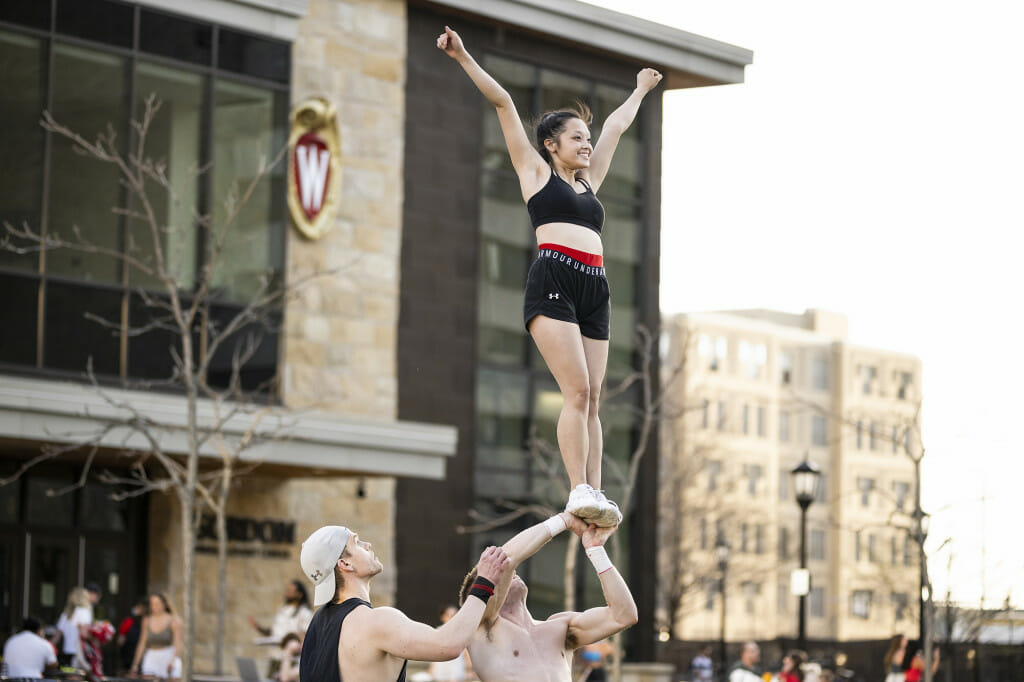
574, 236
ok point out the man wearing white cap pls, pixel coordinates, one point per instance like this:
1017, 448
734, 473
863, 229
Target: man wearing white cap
350, 640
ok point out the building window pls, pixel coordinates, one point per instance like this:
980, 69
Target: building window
819, 372
819, 430
868, 375
761, 421
783, 598
860, 435
753, 474
783, 543
856, 546
895, 439
746, 420
753, 357
899, 605
784, 485
703, 533
904, 381
860, 604
894, 550
219, 110
714, 468
908, 551
872, 548
721, 415
759, 539
704, 409
816, 602
816, 544
865, 486
751, 591
713, 351
872, 436
743, 538
783, 427
900, 492
711, 588
785, 367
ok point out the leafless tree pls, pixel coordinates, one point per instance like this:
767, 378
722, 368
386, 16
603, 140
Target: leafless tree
199, 341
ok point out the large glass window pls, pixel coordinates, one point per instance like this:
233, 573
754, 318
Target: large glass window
221, 112
21, 99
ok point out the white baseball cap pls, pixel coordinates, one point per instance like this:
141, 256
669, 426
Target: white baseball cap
320, 552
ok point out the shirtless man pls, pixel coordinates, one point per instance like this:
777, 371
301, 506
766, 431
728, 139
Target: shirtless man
510, 646
350, 640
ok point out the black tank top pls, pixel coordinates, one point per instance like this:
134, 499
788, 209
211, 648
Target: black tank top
558, 202
319, 659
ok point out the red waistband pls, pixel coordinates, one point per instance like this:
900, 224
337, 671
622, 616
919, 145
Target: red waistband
595, 259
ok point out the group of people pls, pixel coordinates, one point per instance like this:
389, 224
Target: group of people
149, 640
566, 311
794, 666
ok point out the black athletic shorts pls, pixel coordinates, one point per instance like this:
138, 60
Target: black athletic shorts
564, 288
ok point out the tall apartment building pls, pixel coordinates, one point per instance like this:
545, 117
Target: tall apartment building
756, 392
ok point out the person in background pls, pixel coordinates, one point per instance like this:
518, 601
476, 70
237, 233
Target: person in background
594, 657
27, 654
73, 624
160, 643
459, 668
893, 660
745, 669
792, 668
701, 666
917, 664
291, 649
293, 616
128, 633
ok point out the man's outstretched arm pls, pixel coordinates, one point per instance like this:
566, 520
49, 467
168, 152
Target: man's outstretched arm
521, 547
620, 613
400, 636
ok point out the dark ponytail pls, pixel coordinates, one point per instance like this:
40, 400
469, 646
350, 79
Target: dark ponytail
552, 124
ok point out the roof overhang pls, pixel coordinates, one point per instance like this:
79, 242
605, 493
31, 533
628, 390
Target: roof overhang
275, 18
688, 60
288, 442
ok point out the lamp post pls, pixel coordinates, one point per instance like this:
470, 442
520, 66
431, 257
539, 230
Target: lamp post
806, 479
921, 521
722, 552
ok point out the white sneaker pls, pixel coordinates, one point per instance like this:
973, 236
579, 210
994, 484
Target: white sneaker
609, 516
585, 502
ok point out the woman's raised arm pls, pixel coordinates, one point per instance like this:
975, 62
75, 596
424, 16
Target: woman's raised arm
616, 124
528, 164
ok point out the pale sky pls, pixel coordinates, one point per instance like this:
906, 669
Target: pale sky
873, 164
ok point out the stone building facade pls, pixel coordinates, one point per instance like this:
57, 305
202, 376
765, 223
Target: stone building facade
759, 391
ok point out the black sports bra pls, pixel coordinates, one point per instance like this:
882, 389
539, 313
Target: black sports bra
558, 202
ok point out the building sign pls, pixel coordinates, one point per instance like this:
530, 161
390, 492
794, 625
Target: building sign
267, 538
314, 167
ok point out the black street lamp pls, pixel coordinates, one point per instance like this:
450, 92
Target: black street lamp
722, 552
920, 532
806, 479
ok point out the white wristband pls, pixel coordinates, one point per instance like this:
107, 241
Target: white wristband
600, 559
555, 524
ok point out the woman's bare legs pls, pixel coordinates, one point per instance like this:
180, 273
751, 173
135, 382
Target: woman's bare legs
562, 347
596, 352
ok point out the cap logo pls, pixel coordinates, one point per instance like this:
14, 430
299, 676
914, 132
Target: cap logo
316, 575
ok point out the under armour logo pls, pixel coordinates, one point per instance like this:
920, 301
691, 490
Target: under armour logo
316, 575
551, 296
